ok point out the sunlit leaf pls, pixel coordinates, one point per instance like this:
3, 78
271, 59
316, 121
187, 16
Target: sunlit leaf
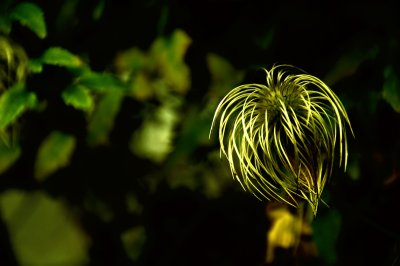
154, 139
41, 230
35, 66
133, 241
13, 103
8, 155
31, 16
54, 153
101, 82
79, 97
284, 233
168, 53
130, 62
326, 229
60, 57
102, 118
391, 88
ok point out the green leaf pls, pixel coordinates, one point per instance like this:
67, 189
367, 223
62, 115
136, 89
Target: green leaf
42, 230
326, 229
13, 103
8, 155
154, 140
54, 153
31, 16
101, 82
5, 24
60, 57
168, 55
223, 75
102, 119
98, 10
35, 66
348, 64
79, 97
133, 241
391, 88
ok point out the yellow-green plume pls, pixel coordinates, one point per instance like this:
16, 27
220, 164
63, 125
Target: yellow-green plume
280, 137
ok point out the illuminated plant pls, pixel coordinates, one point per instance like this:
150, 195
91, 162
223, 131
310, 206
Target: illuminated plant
280, 138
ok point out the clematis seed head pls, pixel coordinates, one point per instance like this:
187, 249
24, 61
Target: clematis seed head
280, 138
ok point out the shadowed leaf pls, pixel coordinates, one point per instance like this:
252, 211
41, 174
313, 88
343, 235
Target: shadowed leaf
102, 119
31, 16
8, 155
223, 75
133, 240
326, 229
54, 153
348, 64
391, 88
5, 24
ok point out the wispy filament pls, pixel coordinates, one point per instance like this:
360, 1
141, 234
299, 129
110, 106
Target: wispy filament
280, 137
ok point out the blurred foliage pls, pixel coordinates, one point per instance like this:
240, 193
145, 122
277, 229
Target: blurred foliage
326, 231
391, 88
40, 225
54, 152
105, 153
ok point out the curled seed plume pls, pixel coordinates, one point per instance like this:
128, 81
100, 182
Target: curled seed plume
280, 137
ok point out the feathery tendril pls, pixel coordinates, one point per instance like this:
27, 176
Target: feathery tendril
280, 138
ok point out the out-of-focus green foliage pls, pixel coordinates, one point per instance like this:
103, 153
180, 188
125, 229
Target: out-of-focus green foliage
99, 9
13, 103
54, 56
154, 139
348, 64
102, 120
8, 155
326, 229
29, 15
42, 230
134, 240
13, 68
54, 153
391, 88
60, 57
158, 72
79, 97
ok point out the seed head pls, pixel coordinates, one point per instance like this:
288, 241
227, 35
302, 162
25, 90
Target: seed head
280, 137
